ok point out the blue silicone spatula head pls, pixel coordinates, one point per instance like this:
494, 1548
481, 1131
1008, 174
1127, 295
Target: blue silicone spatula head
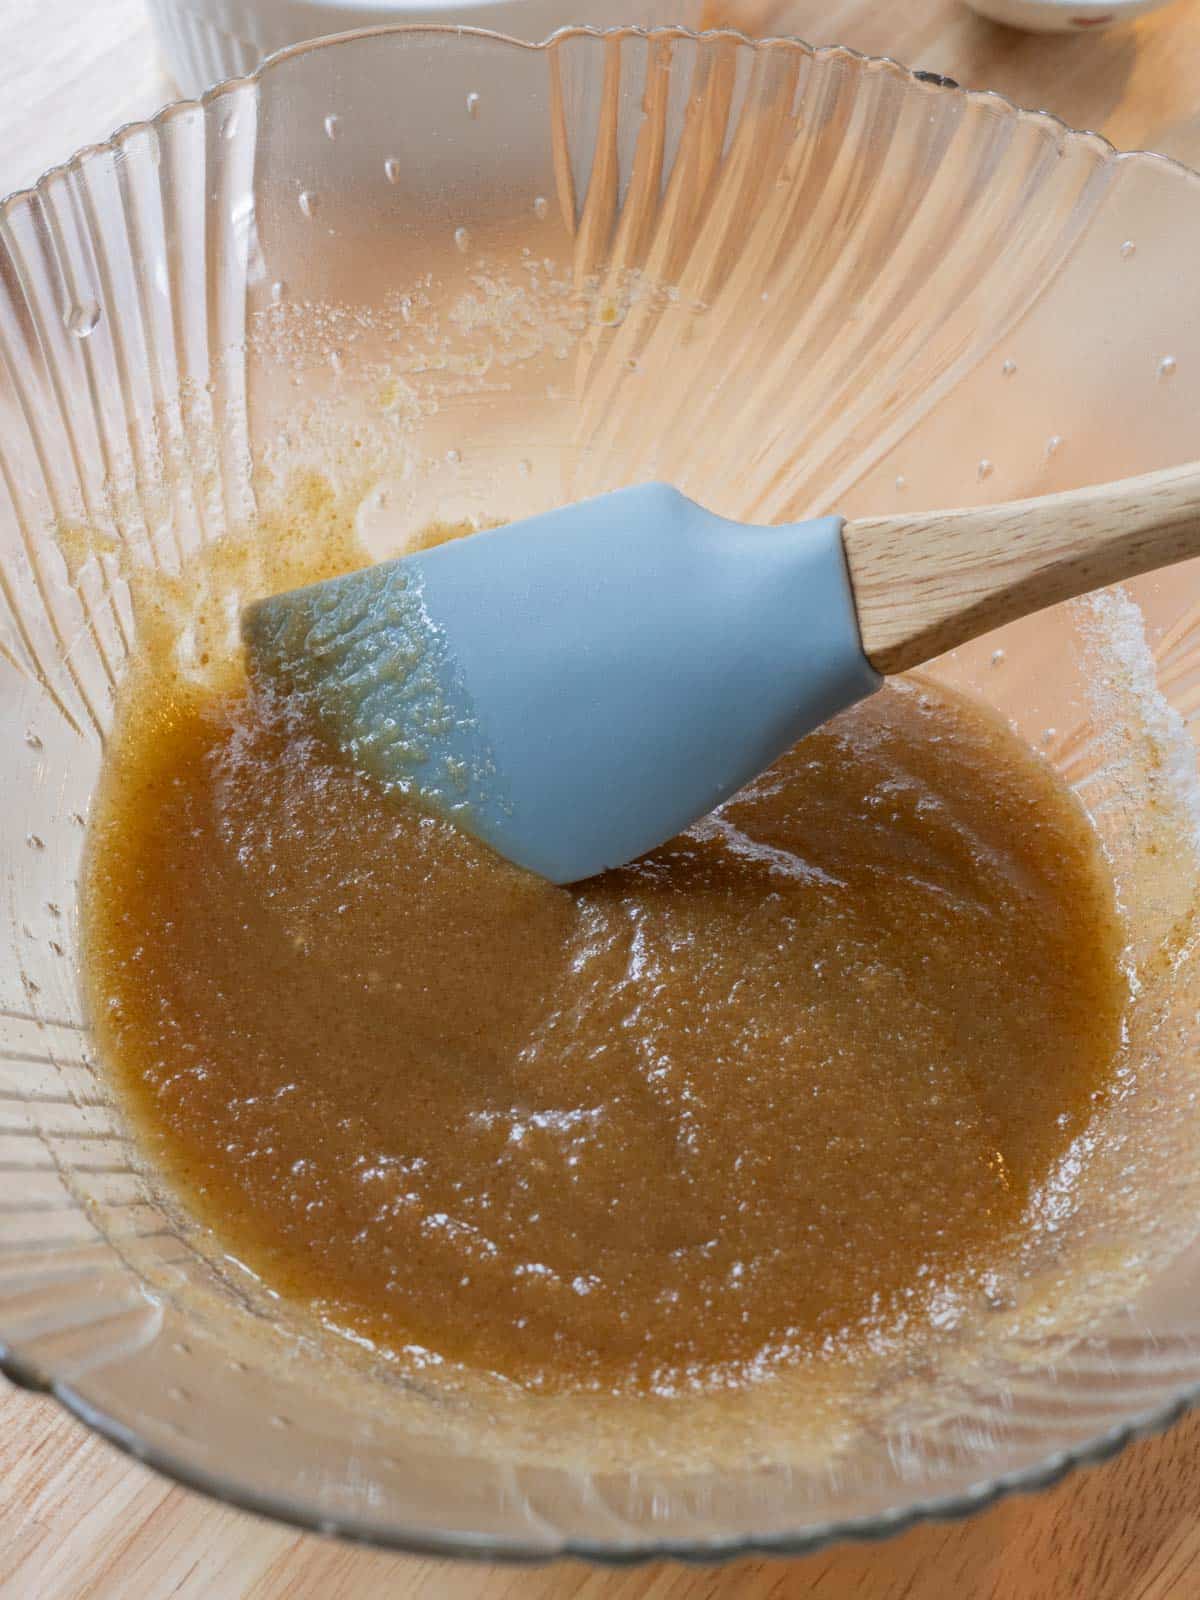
576, 688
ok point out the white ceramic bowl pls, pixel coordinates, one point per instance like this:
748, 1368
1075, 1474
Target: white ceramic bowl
1063, 16
207, 41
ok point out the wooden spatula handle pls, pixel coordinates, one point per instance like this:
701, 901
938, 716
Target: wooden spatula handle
925, 583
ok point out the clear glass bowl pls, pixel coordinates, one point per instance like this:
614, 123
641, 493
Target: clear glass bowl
416, 274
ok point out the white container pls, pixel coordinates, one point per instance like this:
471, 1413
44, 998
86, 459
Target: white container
1063, 16
207, 41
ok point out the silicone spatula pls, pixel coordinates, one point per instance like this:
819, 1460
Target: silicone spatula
580, 686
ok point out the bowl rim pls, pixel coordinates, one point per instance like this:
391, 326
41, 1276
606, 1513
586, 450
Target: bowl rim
488, 1547
126, 131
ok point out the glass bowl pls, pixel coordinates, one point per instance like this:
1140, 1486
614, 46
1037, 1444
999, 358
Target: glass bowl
417, 274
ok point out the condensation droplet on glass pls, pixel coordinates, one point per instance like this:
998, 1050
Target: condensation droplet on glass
1049, 735
998, 658
453, 456
1054, 444
984, 469
35, 842
541, 207
1128, 249
335, 360
633, 364
472, 104
333, 125
524, 466
391, 170
77, 818
278, 290
308, 202
1009, 368
32, 739
278, 1421
901, 483
229, 126
1167, 366
462, 240
82, 319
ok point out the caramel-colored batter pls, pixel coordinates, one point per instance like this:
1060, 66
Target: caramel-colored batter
780, 1091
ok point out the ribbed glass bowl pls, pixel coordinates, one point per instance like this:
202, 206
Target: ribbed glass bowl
421, 273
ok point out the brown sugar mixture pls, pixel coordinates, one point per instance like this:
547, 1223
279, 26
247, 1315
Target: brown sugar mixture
782, 1090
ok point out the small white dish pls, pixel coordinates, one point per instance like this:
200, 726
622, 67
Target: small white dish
1063, 16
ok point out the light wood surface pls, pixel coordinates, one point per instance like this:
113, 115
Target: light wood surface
931, 581
80, 1522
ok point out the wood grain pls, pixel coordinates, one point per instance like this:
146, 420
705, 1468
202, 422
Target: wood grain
928, 582
78, 1521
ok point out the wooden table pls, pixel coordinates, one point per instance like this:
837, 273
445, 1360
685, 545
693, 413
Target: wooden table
77, 1519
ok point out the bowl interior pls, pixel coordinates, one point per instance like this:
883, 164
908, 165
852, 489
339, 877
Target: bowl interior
370, 284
